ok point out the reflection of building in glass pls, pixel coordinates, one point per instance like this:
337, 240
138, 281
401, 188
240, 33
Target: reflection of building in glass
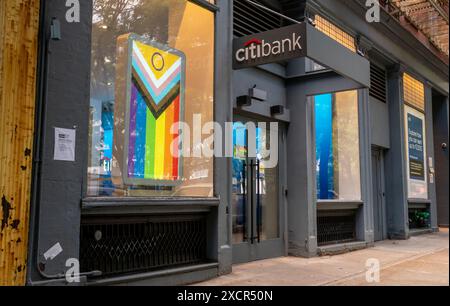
102, 123
337, 146
169, 25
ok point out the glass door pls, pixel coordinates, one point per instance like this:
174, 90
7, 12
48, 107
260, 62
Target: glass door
256, 202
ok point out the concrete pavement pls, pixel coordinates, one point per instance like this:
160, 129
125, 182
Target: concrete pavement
421, 260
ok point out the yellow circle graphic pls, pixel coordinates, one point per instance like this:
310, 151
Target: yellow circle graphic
158, 61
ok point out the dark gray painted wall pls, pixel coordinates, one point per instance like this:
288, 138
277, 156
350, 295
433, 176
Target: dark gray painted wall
58, 211
364, 230
440, 129
392, 44
379, 123
245, 79
388, 37
302, 206
321, 47
395, 164
223, 112
430, 154
66, 106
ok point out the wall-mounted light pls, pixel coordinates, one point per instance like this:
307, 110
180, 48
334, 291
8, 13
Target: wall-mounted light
277, 110
242, 101
257, 94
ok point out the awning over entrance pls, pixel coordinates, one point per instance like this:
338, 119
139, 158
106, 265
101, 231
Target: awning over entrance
297, 41
326, 51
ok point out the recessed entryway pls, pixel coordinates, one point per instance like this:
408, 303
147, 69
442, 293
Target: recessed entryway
440, 167
378, 195
257, 200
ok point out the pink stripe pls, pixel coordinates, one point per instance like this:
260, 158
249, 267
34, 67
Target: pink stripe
149, 80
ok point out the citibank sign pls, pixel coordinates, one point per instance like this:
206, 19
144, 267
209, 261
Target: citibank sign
269, 47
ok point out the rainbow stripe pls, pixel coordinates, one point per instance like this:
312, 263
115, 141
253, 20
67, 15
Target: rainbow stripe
154, 107
150, 140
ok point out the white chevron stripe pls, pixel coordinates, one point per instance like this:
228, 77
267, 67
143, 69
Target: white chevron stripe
155, 81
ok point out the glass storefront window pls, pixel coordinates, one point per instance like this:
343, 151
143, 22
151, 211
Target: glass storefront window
415, 153
255, 171
415, 137
337, 146
152, 68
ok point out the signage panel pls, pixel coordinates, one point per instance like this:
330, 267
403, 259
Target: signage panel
415, 153
268, 47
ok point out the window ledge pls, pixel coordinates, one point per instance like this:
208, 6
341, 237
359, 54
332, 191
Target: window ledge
95, 206
335, 249
419, 201
339, 205
172, 272
418, 204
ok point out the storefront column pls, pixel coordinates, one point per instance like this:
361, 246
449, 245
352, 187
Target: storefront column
223, 109
302, 207
395, 164
55, 217
430, 156
364, 218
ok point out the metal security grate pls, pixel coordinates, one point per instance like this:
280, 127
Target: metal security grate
378, 83
413, 92
335, 33
249, 19
125, 245
333, 229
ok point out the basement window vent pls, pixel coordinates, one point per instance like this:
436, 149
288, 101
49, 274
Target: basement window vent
334, 227
125, 245
378, 82
249, 19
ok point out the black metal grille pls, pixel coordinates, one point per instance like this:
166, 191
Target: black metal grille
249, 19
419, 218
124, 245
378, 83
338, 228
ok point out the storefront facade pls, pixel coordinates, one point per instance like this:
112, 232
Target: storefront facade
349, 137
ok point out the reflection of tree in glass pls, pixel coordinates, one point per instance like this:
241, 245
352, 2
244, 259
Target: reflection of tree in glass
112, 18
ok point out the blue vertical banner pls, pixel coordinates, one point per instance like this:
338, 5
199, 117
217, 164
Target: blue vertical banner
324, 146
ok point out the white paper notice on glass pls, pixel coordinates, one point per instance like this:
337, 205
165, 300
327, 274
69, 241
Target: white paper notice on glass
64, 144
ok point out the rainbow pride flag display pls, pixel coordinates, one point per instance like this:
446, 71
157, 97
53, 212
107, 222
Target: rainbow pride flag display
154, 104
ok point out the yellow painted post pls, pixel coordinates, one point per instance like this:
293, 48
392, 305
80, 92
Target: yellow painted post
19, 23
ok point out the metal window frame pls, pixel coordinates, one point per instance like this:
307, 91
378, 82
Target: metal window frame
87, 200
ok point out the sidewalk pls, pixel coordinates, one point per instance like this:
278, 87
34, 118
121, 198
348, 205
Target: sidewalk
421, 260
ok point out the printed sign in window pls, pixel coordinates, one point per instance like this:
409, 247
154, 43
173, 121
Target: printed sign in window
416, 149
415, 141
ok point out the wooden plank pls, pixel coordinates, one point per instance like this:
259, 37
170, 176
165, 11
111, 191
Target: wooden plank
19, 22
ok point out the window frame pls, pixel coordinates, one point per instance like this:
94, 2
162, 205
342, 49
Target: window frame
411, 108
94, 201
320, 202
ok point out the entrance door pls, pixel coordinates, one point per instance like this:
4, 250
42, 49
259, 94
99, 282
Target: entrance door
440, 132
257, 202
378, 195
